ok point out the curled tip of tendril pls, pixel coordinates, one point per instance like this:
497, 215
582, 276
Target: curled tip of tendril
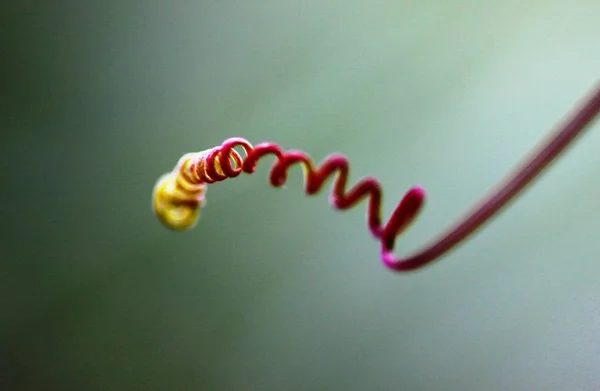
175, 206
179, 195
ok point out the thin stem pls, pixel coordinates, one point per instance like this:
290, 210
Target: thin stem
563, 135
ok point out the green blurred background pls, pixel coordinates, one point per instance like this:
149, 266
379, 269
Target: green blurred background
274, 290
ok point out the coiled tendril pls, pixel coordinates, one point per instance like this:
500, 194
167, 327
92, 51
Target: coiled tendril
179, 195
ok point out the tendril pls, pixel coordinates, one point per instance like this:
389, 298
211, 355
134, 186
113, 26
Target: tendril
179, 195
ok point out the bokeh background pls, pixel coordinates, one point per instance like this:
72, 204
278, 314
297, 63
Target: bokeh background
274, 290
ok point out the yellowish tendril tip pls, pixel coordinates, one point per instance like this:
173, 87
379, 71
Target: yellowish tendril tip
176, 202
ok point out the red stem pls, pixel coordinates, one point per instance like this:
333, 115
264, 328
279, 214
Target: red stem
523, 175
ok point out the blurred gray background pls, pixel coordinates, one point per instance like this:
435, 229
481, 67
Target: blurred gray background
274, 290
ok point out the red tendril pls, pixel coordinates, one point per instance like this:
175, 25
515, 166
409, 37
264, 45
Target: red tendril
184, 187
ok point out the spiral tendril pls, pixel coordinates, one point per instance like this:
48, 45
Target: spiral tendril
179, 195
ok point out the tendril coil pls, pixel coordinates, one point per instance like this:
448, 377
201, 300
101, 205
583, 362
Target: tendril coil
179, 195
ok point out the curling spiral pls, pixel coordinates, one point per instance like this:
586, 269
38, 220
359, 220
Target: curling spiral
179, 195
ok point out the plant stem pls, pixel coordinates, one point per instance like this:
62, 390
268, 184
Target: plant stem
564, 134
